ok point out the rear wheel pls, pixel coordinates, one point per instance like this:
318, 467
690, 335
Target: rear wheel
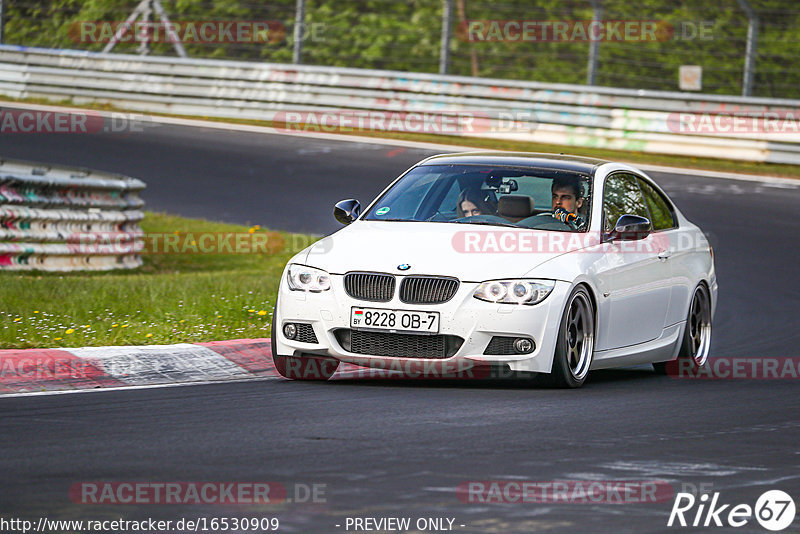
306, 367
575, 343
696, 340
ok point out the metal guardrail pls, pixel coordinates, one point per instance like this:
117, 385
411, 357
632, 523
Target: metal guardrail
63, 219
559, 114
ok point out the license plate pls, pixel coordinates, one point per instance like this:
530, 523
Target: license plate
394, 320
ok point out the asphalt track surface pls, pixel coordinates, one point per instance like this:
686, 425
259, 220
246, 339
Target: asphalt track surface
388, 448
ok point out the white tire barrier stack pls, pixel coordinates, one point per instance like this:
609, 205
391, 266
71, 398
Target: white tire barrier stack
62, 219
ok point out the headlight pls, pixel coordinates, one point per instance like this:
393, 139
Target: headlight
302, 278
514, 291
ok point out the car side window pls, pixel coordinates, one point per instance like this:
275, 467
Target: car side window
661, 214
621, 196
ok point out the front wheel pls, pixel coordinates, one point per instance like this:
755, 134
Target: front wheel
696, 340
575, 343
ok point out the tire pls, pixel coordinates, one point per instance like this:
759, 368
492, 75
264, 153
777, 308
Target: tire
306, 367
696, 340
575, 343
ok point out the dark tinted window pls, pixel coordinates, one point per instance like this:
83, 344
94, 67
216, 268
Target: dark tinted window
621, 196
661, 214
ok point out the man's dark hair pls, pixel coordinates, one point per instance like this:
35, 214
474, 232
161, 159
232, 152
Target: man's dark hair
568, 182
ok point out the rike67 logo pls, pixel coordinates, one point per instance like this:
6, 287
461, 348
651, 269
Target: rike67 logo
774, 510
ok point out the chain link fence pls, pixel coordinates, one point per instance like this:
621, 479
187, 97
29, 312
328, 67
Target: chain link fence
741, 46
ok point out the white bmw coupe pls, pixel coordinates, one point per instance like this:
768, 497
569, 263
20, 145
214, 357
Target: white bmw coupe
548, 264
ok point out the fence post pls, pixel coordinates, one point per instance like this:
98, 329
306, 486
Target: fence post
444, 54
752, 47
147, 12
594, 44
299, 30
2, 22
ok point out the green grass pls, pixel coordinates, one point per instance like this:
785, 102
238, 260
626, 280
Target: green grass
172, 298
710, 164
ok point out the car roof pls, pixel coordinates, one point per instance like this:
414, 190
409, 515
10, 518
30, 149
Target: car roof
518, 159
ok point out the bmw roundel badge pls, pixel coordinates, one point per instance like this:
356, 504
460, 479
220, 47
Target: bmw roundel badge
404, 266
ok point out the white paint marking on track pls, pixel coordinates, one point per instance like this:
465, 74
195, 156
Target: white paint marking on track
158, 364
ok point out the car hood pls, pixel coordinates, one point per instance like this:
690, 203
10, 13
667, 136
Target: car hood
472, 253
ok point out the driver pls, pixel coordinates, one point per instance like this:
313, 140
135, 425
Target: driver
567, 199
474, 201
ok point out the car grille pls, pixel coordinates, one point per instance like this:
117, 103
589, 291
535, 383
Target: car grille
500, 345
305, 333
374, 287
427, 289
399, 345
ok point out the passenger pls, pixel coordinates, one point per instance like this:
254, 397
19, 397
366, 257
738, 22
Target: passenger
474, 201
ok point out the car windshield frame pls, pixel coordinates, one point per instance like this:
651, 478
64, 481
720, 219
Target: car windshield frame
436, 193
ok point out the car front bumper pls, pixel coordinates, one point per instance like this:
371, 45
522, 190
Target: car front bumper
464, 316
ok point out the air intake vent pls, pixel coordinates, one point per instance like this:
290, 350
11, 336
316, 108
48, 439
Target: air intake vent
399, 345
374, 287
305, 333
427, 289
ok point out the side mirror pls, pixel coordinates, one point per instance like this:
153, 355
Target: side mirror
631, 228
347, 211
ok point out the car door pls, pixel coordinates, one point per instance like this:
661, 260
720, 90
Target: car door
632, 277
670, 241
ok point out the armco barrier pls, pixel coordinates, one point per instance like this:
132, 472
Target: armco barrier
573, 115
62, 219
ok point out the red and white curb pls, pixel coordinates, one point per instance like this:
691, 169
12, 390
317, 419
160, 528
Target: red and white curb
74, 369
44, 371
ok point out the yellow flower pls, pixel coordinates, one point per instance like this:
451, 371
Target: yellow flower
18, 319
149, 335
125, 326
252, 230
262, 312
219, 317
251, 311
114, 325
56, 339
35, 311
69, 330
182, 321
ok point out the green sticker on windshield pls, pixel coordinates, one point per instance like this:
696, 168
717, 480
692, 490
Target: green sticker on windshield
382, 211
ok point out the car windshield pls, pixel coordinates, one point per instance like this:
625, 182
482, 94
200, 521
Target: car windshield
544, 199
